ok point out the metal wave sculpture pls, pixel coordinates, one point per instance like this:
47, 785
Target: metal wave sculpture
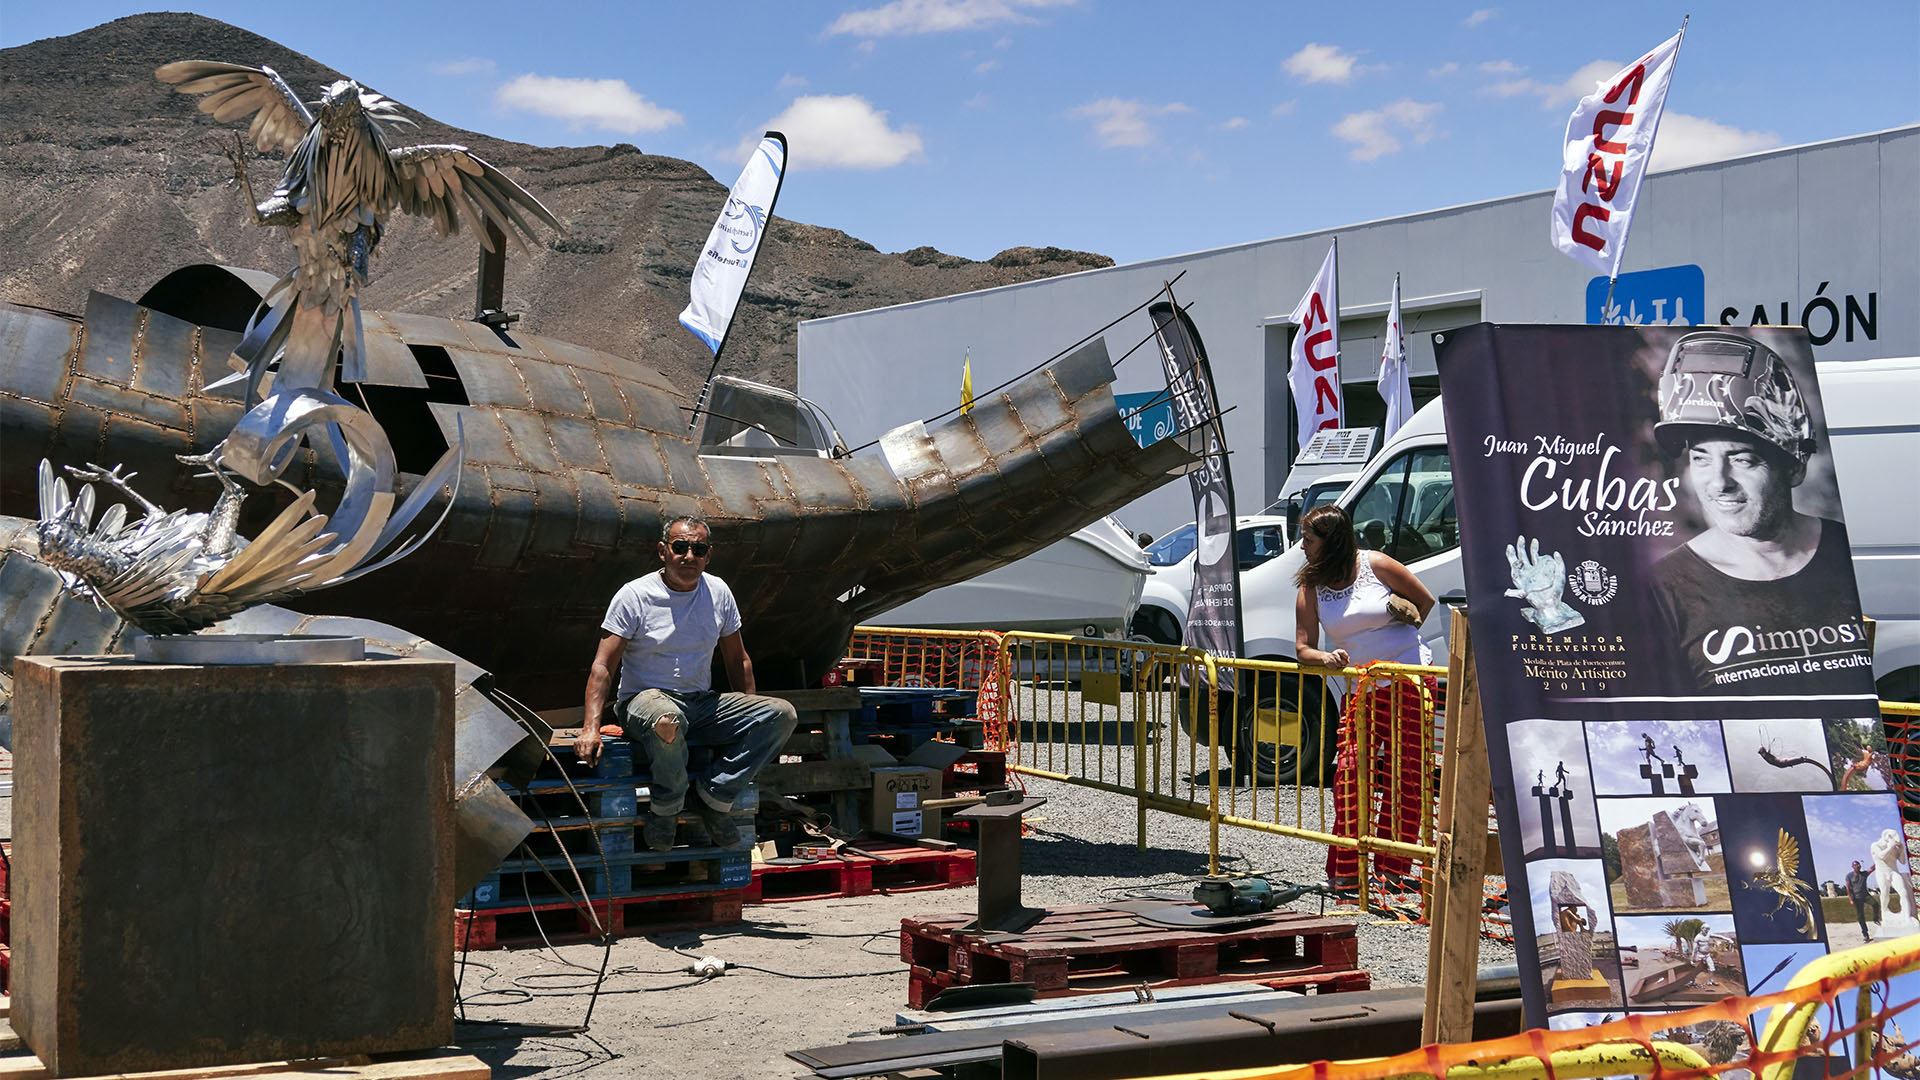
171, 572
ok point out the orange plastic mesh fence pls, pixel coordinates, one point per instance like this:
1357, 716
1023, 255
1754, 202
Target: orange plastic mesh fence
950, 659
1898, 761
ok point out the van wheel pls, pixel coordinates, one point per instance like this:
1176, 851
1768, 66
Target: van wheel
1153, 624
1276, 705
1258, 750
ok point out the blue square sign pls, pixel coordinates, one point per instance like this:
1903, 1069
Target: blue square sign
1669, 296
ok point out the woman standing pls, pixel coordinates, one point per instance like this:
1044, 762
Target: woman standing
1371, 608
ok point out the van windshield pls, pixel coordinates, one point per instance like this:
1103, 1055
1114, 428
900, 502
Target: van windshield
1172, 547
1407, 510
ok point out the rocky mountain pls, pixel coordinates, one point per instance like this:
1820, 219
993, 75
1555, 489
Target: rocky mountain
109, 180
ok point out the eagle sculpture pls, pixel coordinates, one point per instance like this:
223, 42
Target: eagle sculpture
1783, 880
172, 572
341, 182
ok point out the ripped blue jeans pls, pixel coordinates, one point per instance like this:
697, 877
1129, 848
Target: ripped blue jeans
748, 729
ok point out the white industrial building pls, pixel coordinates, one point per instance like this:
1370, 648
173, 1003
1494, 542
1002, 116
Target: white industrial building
1826, 235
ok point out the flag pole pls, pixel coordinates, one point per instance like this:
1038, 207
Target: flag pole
1614, 276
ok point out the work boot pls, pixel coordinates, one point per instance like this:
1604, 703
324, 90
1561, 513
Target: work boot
659, 832
721, 831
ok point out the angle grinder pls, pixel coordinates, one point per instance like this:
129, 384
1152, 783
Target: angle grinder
1225, 896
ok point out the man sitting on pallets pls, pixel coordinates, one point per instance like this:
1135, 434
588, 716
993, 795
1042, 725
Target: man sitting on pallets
659, 634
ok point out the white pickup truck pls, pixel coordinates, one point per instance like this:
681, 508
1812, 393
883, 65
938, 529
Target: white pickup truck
1402, 504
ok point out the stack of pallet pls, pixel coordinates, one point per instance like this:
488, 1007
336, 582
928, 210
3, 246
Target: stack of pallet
846, 732
585, 869
900, 718
1088, 950
867, 866
860, 762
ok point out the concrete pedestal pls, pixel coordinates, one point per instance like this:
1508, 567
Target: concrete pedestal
233, 864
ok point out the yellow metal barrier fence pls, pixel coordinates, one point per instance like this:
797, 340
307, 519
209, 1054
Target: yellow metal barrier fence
1347, 759
1255, 744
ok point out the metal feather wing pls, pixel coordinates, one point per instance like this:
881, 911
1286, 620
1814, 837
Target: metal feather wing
1789, 855
235, 91
447, 182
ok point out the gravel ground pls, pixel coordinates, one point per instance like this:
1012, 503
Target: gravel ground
1081, 850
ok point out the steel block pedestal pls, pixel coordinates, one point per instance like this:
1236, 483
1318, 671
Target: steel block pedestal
220, 865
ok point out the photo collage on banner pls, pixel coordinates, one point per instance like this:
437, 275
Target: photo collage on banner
1693, 787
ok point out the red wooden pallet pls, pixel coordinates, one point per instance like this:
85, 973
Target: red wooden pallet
1087, 950
980, 770
910, 869
502, 928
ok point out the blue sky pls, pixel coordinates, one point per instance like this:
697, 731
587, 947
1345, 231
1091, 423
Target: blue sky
1135, 130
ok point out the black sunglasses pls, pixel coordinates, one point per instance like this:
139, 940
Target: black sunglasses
698, 547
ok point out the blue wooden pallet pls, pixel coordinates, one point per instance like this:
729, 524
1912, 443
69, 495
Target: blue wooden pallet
520, 882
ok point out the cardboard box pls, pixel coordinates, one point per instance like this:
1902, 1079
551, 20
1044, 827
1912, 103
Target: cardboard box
898, 792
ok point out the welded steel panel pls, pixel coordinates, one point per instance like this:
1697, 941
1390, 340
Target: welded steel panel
34, 347
389, 361
162, 337
106, 351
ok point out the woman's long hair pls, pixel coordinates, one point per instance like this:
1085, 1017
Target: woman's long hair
1339, 548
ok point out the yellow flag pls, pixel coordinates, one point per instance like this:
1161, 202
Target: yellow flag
966, 383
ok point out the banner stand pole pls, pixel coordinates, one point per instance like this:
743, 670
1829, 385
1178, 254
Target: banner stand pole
1607, 304
1460, 865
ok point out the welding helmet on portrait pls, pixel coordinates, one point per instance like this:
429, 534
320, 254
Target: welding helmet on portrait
1718, 385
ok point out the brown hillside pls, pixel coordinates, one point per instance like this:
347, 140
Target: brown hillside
109, 180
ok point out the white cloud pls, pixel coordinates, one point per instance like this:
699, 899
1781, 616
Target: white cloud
1316, 63
1235, 123
980, 100
1692, 140
1376, 133
1445, 69
1552, 95
1118, 122
841, 131
1285, 108
985, 66
607, 104
1580, 83
1479, 16
791, 82
471, 65
903, 17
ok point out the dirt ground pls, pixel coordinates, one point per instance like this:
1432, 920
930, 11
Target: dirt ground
840, 973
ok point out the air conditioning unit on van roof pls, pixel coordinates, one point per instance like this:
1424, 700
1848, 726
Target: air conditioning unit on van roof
1338, 446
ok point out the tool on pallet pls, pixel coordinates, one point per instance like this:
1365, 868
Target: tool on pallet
1231, 896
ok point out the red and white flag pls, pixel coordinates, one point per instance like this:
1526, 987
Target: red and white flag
1609, 140
1315, 372
1395, 387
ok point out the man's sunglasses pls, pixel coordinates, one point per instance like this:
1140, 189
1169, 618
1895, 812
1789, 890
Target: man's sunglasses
698, 547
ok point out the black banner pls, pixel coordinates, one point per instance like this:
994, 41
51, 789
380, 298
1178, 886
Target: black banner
1213, 608
1686, 750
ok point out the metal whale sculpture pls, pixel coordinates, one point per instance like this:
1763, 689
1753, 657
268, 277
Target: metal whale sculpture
573, 458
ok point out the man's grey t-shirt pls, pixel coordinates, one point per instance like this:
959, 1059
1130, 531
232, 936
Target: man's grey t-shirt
670, 635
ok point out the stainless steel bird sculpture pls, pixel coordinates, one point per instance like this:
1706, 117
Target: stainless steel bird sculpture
171, 572
341, 182
1782, 879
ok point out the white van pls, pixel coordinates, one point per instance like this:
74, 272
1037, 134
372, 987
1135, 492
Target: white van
1873, 418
